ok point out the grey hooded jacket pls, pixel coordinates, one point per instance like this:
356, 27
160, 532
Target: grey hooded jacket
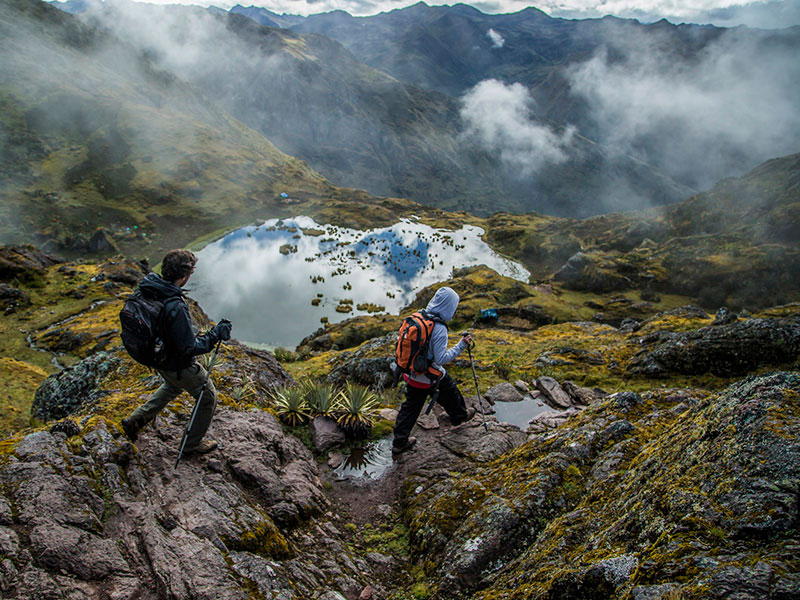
443, 304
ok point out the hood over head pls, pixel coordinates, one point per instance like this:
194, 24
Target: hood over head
159, 288
444, 303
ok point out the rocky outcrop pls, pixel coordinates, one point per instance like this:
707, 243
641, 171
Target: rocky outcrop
503, 392
362, 367
325, 433
581, 272
12, 299
75, 387
25, 263
553, 393
725, 350
100, 518
122, 270
638, 495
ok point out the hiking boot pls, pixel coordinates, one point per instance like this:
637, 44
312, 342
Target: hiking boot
204, 447
131, 428
399, 449
471, 410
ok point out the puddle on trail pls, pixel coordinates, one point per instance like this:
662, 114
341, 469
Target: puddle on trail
365, 464
520, 413
276, 281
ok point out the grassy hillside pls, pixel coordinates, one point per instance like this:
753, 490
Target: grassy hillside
94, 135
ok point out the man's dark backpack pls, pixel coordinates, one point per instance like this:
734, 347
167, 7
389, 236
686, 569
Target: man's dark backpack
141, 321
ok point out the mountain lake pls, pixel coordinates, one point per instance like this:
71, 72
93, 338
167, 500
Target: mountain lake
278, 281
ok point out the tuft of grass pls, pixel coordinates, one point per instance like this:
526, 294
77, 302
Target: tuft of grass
321, 399
359, 407
290, 405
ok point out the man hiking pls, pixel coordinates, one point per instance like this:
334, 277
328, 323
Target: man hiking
179, 370
419, 387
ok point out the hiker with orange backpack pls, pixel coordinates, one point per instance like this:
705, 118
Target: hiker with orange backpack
421, 353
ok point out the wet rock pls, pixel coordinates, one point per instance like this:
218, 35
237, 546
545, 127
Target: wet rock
553, 393
77, 386
724, 350
503, 392
326, 433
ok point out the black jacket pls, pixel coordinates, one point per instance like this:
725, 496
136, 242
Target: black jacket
180, 341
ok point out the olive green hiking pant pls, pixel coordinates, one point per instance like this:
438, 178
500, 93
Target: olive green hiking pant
192, 379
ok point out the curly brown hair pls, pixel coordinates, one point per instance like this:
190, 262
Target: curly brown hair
177, 264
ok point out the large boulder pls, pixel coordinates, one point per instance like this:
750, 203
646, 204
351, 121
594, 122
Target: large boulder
24, 263
503, 392
553, 393
325, 433
76, 386
362, 367
725, 350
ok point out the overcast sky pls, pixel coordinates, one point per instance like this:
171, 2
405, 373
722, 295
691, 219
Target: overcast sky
726, 13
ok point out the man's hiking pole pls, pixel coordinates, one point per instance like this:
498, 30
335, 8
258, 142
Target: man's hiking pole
475, 377
196, 406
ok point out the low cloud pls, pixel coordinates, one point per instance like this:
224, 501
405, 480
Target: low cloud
497, 39
723, 113
501, 119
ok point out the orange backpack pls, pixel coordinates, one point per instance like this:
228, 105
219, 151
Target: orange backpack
413, 341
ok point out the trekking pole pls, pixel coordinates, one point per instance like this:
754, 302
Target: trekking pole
475, 377
196, 406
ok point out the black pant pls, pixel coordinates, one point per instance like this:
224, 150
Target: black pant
449, 397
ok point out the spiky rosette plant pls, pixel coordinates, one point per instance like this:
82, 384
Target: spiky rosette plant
359, 408
321, 398
290, 405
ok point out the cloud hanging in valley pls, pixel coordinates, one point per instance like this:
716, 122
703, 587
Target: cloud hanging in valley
497, 39
724, 110
501, 119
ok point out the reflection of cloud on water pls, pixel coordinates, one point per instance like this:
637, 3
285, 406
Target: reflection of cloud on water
267, 293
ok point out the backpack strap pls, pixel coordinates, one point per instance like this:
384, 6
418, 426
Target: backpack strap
433, 317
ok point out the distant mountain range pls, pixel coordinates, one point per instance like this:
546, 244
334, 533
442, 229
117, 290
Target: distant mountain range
654, 91
362, 127
516, 111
